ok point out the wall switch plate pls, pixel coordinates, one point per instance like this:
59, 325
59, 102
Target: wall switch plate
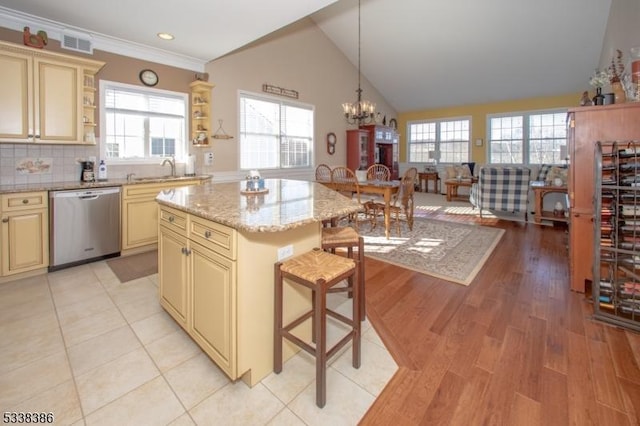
284, 252
208, 158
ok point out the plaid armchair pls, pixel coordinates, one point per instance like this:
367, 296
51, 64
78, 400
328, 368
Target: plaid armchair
502, 188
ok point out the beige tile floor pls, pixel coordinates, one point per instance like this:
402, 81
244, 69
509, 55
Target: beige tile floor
91, 350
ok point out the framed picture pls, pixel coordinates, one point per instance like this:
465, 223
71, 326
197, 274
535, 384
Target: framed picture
393, 123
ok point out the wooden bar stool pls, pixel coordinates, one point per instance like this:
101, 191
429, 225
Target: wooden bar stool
319, 271
349, 238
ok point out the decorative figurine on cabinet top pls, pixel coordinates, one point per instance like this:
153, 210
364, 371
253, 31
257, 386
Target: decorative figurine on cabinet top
38, 40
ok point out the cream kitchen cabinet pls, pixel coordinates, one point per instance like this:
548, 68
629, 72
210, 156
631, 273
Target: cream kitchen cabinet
24, 232
47, 97
172, 264
197, 270
140, 213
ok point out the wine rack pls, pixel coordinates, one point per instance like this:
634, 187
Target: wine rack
616, 284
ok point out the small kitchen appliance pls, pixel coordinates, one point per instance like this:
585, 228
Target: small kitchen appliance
87, 173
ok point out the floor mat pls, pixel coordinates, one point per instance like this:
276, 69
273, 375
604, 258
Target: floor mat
136, 266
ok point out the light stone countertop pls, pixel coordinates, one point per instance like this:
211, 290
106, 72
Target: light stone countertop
57, 186
287, 205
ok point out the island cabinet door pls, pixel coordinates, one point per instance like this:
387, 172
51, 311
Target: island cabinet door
172, 271
213, 306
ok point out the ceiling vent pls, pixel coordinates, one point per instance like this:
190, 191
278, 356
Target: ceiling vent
77, 42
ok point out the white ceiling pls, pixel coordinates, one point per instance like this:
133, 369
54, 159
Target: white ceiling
418, 53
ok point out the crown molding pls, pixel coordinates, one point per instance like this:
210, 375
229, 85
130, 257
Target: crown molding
15, 20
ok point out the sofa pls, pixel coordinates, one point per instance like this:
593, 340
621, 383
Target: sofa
502, 188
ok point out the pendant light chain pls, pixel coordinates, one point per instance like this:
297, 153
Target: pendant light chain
360, 112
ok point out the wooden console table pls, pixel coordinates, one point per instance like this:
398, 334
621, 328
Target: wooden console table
426, 177
539, 192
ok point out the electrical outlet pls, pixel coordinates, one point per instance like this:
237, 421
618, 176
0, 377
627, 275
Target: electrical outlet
284, 252
208, 158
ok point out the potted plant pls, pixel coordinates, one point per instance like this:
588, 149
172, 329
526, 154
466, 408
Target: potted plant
616, 74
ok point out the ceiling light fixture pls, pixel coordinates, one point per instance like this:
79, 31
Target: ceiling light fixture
166, 36
361, 112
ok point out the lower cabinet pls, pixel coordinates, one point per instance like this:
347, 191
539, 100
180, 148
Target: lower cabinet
24, 232
198, 283
172, 270
213, 304
140, 212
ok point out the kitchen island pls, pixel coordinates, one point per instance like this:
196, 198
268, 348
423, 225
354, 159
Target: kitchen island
217, 250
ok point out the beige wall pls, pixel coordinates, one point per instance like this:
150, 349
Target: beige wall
299, 57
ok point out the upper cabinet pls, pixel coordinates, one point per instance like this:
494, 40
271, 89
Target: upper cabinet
47, 97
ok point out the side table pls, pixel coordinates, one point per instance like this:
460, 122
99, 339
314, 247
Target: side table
426, 177
539, 191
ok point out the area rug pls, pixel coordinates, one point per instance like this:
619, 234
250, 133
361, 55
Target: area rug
451, 251
136, 266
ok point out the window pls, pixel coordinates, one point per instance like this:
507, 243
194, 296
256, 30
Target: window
141, 124
527, 138
445, 140
274, 134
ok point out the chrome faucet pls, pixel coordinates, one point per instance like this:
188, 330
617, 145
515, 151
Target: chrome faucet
130, 176
172, 163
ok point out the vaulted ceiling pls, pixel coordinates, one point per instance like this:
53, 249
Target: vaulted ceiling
419, 54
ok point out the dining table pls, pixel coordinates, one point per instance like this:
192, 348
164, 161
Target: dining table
386, 188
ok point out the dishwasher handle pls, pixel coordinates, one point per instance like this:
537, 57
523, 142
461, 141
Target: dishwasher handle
90, 194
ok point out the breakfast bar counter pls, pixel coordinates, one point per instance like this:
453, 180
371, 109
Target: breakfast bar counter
217, 249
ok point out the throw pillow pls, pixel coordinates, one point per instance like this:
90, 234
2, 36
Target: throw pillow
544, 170
464, 171
450, 172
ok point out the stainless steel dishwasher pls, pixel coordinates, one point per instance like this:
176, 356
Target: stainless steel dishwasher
84, 226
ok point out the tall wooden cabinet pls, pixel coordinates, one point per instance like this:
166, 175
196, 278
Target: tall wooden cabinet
371, 144
587, 126
46, 97
359, 150
385, 145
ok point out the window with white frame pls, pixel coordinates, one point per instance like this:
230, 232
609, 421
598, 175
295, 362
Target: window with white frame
275, 133
445, 140
527, 138
141, 124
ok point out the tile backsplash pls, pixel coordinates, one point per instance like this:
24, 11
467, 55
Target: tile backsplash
63, 164
63, 161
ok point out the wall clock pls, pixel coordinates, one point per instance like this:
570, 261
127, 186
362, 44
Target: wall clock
148, 77
331, 143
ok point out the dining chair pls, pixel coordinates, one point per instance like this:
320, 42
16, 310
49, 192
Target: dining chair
402, 203
378, 172
346, 182
323, 173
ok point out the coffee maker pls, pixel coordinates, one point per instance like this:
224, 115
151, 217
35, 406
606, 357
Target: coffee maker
87, 173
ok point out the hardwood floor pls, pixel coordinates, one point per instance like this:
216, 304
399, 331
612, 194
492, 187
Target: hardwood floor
516, 347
